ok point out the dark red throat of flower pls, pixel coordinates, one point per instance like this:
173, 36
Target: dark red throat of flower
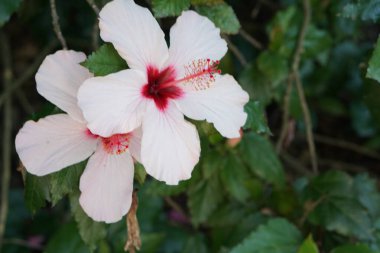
162, 85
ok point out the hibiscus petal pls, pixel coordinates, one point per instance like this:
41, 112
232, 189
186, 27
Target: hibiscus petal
194, 37
113, 104
53, 143
59, 78
170, 145
106, 186
221, 104
134, 33
135, 144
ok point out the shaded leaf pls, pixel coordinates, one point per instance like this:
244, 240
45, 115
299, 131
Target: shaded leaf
105, 61
36, 192
204, 198
358, 248
7, 8
233, 176
159, 188
92, 232
65, 181
167, 8
256, 119
195, 243
222, 15
66, 239
259, 155
277, 236
339, 210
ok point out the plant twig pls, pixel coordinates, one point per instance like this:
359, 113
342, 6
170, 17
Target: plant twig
309, 208
28, 73
133, 239
285, 114
296, 76
255, 43
346, 145
95, 35
308, 124
56, 27
236, 51
175, 206
296, 165
93, 6
7, 132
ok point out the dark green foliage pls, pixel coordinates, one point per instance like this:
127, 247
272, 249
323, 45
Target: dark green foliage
7, 8
243, 195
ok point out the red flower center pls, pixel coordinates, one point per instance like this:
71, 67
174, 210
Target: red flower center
155, 88
115, 144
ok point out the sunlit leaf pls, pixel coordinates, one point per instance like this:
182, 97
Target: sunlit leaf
105, 61
222, 15
277, 236
167, 8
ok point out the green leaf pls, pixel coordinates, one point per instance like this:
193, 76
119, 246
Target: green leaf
36, 192
140, 173
358, 248
308, 246
258, 85
159, 188
209, 2
274, 66
204, 198
105, 61
92, 232
233, 176
373, 70
256, 119
222, 15
211, 163
195, 243
7, 7
259, 155
167, 8
65, 181
365, 189
338, 209
150, 242
277, 236
228, 214
66, 239
371, 10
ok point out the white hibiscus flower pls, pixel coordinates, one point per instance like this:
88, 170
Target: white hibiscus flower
61, 140
161, 86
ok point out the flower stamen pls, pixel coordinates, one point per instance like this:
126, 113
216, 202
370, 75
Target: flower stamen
200, 73
116, 144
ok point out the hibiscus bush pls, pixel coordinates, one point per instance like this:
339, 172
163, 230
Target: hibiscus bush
190, 126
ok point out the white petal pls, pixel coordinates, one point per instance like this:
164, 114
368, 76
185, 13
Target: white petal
113, 104
135, 144
59, 78
170, 145
53, 143
221, 104
134, 33
106, 186
194, 37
